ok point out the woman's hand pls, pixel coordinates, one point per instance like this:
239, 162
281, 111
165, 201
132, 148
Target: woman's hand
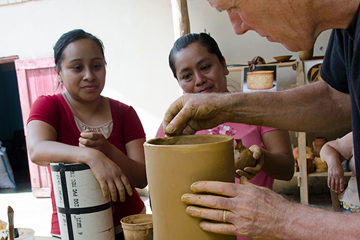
94, 140
336, 179
250, 172
110, 177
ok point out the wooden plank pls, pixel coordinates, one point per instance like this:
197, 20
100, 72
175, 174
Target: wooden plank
8, 59
35, 63
304, 188
304, 191
284, 64
181, 21
36, 77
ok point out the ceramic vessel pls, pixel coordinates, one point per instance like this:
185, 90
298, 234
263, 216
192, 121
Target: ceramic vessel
306, 55
138, 227
317, 144
284, 58
172, 165
320, 165
260, 80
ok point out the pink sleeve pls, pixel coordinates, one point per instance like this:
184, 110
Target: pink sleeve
160, 132
266, 129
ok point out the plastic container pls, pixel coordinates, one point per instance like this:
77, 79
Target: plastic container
138, 227
24, 234
83, 212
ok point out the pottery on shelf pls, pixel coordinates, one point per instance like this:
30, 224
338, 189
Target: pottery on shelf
306, 55
317, 144
320, 165
260, 80
309, 149
283, 58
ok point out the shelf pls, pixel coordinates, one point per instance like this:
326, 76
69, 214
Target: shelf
322, 174
279, 64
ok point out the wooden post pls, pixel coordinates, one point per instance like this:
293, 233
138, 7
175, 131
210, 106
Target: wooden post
304, 192
180, 18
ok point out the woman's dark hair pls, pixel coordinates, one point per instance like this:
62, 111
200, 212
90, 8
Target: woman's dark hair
203, 39
70, 37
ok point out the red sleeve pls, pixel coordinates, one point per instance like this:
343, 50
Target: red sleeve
132, 127
45, 109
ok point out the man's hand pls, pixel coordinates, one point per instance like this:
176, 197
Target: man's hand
193, 112
250, 211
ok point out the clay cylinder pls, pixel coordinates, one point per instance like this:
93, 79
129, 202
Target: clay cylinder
172, 165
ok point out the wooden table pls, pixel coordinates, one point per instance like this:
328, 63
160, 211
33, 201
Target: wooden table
45, 238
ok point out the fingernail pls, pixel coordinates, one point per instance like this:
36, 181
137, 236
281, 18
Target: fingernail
170, 128
185, 197
192, 211
194, 187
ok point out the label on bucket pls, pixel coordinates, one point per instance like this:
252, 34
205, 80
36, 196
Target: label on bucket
83, 212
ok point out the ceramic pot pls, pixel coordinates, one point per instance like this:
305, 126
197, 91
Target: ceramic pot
309, 149
320, 165
306, 55
172, 165
317, 144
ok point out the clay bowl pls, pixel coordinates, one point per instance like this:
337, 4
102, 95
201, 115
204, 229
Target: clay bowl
283, 58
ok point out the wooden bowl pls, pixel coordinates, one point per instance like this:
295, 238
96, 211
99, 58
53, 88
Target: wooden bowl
283, 58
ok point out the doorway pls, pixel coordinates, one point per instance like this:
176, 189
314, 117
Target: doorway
11, 125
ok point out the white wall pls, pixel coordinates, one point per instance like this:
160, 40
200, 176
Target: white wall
137, 35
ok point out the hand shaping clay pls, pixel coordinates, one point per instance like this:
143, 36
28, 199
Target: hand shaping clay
243, 156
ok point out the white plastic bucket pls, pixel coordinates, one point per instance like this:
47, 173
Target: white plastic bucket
24, 234
83, 212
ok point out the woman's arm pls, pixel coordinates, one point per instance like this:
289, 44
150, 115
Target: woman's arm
132, 164
278, 158
333, 153
43, 149
277, 161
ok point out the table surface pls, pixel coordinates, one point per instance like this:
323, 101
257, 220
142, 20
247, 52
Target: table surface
45, 238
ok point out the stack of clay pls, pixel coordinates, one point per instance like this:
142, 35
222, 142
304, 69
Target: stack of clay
310, 165
3, 230
310, 160
317, 144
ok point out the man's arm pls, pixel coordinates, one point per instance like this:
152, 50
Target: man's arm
312, 107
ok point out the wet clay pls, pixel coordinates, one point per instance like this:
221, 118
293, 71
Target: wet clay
172, 165
243, 156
